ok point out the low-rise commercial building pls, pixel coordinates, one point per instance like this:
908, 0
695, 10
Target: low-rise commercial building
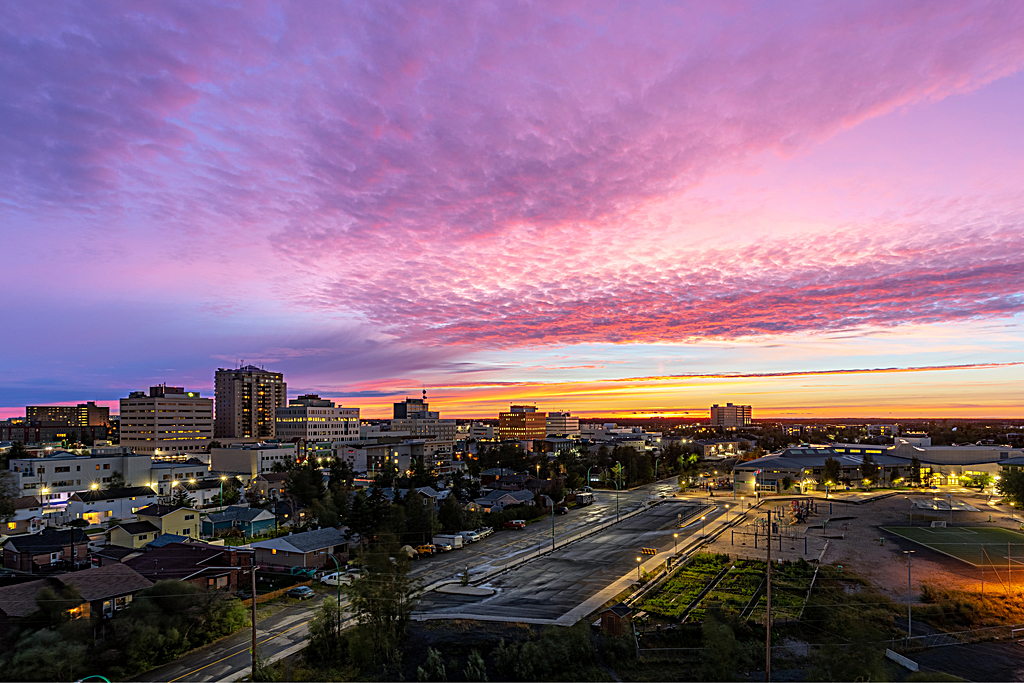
167, 421
253, 459
311, 418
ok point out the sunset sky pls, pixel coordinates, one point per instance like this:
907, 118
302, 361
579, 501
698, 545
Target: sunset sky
608, 208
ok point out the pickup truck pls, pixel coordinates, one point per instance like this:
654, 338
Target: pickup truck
470, 536
515, 524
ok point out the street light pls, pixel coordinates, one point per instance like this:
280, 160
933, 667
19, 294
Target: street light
727, 514
675, 540
910, 627
702, 518
222, 480
638, 561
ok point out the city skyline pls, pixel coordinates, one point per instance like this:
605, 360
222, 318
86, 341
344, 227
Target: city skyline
614, 211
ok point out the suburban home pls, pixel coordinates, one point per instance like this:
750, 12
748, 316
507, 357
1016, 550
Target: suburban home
202, 564
496, 501
206, 492
489, 476
107, 589
249, 521
97, 507
103, 592
306, 549
134, 534
49, 550
171, 520
269, 485
27, 518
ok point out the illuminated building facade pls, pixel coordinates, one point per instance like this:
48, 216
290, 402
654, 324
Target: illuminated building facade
169, 421
247, 402
522, 423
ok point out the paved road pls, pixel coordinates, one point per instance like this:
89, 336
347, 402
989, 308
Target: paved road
229, 659
553, 585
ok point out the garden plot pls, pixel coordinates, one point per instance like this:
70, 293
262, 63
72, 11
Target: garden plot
790, 583
674, 598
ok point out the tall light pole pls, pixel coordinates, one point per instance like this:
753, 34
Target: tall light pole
618, 484
768, 642
222, 479
638, 561
675, 541
949, 497
588, 475
910, 627
702, 525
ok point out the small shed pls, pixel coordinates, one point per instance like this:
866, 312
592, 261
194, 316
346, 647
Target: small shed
615, 619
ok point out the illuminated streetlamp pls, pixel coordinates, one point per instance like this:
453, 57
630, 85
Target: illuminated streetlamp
702, 525
638, 561
675, 540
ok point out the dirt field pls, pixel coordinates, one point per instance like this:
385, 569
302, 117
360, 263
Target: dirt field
883, 564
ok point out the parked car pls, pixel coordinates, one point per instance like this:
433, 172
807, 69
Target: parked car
485, 531
442, 547
300, 592
470, 536
561, 510
336, 578
356, 572
425, 550
515, 524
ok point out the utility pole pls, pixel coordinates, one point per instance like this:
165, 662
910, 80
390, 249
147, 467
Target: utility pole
910, 594
768, 640
253, 572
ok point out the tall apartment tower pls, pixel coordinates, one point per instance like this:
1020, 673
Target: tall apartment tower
247, 402
522, 423
730, 415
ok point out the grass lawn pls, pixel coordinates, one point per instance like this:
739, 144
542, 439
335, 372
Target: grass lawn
977, 546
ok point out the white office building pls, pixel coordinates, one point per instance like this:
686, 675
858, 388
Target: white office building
166, 423
311, 418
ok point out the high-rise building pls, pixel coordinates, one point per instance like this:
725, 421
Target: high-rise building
247, 402
167, 422
83, 415
413, 415
522, 423
563, 424
311, 418
730, 415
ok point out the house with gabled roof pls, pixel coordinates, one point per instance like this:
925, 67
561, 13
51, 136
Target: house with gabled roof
49, 550
202, 564
172, 520
134, 534
107, 589
306, 549
249, 521
103, 505
495, 501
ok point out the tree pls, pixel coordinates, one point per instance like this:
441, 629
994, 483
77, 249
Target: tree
432, 669
181, 498
213, 444
305, 483
8, 492
915, 470
721, 651
832, 471
869, 469
327, 643
1011, 485
450, 515
383, 603
475, 670
16, 451
117, 481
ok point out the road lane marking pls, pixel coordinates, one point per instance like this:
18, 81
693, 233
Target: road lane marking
234, 654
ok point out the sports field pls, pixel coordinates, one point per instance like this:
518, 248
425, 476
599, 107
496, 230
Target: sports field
978, 546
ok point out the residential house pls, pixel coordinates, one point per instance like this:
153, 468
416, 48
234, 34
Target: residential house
107, 589
28, 517
49, 550
489, 476
104, 505
202, 564
496, 501
172, 520
269, 486
18, 601
249, 521
134, 534
307, 549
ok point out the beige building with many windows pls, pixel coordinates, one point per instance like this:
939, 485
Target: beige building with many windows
247, 402
730, 415
168, 422
311, 418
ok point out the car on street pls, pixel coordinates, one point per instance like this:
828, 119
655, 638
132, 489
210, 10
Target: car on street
485, 531
356, 572
300, 592
562, 510
337, 578
515, 524
442, 547
425, 550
